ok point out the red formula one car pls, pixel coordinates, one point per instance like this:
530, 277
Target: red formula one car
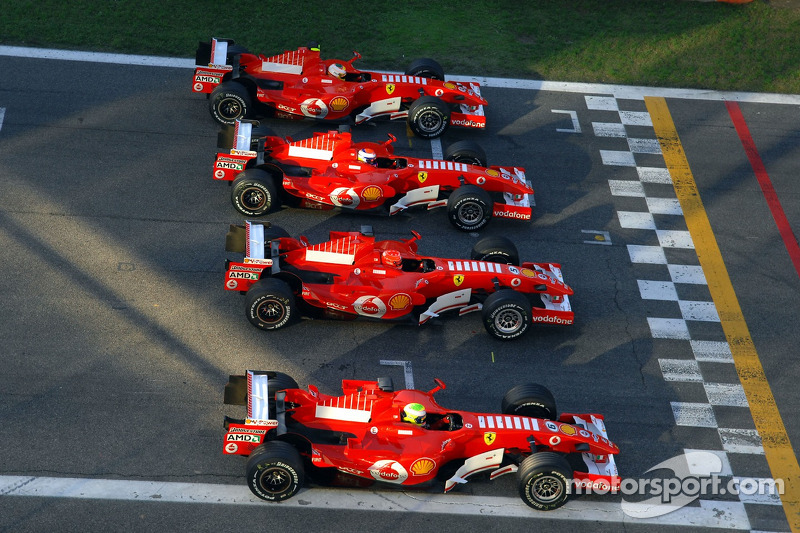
353, 275
406, 438
330, 171
299, 84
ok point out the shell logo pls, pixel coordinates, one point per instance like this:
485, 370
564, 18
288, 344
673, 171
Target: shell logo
339, 103
401, 301
449, 85
389, 88
372, 193
528, 273
422, 176
422, 467
568, 430
492, 172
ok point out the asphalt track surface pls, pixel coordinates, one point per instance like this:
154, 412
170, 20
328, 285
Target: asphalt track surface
117, 336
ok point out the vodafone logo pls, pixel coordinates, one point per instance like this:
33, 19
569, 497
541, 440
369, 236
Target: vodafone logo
370, 306
231, 447
500, 213
344, 197
468, 123
314, 108
552, 320
388, 470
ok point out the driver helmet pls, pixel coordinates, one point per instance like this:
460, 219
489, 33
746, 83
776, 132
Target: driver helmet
368, 156
414, 413
337, 71
392, 258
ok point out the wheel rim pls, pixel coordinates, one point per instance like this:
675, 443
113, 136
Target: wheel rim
509, 321
547, 489
470, 213
270, 311
429, 121
253, 198
230, 108
274, 480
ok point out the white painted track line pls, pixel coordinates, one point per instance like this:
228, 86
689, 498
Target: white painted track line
618, 91
730, 515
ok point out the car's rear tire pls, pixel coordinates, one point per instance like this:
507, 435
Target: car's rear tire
230, 101
426, 68
275, 471
496, 249
466, 152
530, 399
253, 192
270, 304
469, 208
507, 314
428, 117
544, 480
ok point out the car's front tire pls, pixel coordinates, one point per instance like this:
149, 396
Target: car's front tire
270, 304
466, 152
530, 399
507, 314
275, 471
469, 208
253, 192
230, 101
428, 117
544, 480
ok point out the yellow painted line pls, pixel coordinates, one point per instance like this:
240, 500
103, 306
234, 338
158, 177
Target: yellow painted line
777, 448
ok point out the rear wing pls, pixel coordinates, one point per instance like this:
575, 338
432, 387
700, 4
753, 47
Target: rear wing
259, 259
251, 241
252, 390
213, 52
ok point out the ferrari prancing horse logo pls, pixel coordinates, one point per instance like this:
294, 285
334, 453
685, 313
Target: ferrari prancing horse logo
389, 88
458, 279
422, 176
489, 437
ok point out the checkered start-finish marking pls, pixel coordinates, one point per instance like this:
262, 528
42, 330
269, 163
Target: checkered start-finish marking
684, 315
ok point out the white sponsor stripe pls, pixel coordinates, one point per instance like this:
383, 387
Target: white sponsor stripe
500, 422
451, 265
466, 266
482, 266
709, 514
526, 424
481, 422
517, 423
342, 413
490, 421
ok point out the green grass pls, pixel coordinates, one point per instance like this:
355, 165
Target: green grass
668, 43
